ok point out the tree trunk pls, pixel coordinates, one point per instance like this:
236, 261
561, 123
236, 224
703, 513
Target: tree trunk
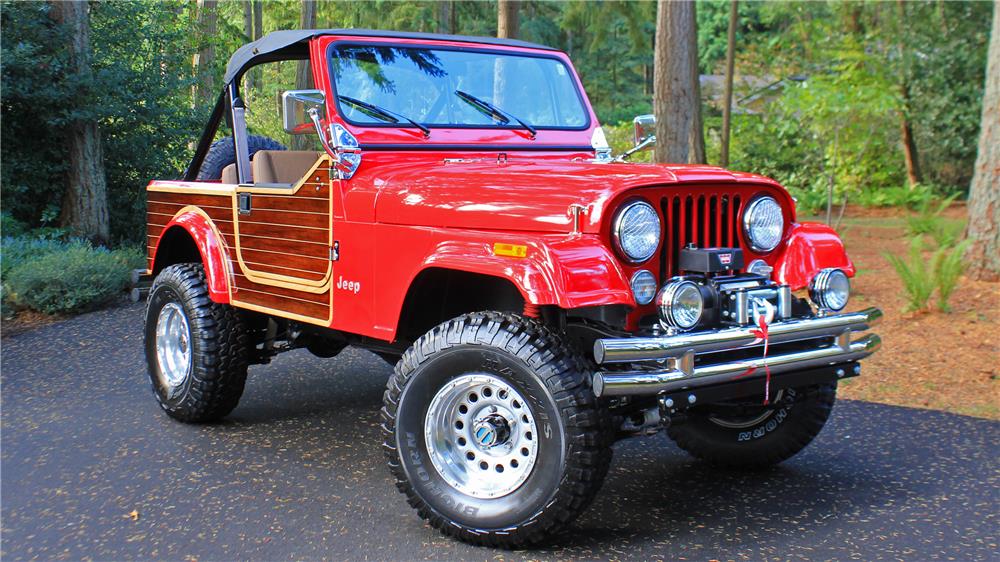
675, 84
910, 156
508, 22
696, 135
258, 32
727, 103
984, 193
444, 17
85, 202
303, 73
204, 86
913, 175
248, 32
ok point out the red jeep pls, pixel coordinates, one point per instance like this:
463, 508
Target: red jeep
462, 218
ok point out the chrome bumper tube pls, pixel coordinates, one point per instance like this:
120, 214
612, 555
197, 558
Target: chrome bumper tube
674, 356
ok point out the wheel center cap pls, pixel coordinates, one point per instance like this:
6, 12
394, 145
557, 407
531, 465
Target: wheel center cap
491, 431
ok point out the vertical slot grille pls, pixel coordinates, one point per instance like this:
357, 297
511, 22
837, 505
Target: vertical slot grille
705, 220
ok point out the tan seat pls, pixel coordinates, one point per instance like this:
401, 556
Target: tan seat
281, 166
229, 175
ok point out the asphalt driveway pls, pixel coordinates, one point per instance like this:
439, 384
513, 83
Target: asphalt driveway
92, 469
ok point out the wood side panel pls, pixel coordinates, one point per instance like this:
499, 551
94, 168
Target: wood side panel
171, 207
314, 250
241, 282
285, 232
285, 260
185, 199
319, 219
285, 203
311, 275
319, 311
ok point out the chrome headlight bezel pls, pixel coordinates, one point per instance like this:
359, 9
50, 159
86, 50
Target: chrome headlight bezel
830, 289
647, 277
619, 224
668, 302
762, 203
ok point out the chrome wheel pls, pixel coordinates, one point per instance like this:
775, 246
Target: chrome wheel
481, 436
173, 348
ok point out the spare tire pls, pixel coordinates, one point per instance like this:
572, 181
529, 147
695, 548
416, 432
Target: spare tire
222, 153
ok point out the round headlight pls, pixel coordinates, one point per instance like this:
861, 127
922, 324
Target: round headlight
636, 231
763, 223
680, 304
643, 287
830, 289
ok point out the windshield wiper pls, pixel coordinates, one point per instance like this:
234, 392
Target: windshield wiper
493, 111
384, 114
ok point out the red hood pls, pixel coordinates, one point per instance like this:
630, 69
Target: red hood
531, 196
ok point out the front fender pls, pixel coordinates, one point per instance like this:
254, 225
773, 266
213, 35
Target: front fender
810, 247
569, 272
210, 244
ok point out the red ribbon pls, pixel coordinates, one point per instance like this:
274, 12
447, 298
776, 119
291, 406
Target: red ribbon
761, 335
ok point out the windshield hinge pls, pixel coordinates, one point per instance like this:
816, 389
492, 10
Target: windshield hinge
335, 251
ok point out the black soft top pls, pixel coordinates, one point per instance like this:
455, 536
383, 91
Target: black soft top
291, 43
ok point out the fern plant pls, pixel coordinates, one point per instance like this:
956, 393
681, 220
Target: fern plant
928, 219
947, 268
916, 274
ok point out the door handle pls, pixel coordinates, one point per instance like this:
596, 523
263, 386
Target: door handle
244, 201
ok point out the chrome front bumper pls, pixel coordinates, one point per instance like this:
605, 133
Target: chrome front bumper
672, 358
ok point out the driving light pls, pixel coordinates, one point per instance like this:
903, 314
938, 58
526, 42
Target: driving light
681, 304
643, 287
763, 224
830, 289
636, 231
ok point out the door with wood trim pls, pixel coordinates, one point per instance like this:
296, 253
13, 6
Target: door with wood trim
284, 241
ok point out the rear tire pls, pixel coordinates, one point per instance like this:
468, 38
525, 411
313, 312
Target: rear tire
196, 349
542, 452
756, 440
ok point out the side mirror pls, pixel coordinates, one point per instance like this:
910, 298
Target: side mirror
645, 127
644, 136
295, 106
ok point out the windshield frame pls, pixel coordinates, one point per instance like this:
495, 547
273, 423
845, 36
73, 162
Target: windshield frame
577, 86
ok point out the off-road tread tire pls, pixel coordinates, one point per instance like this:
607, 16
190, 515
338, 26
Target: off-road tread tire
810, 415
220, 354
222, 153
586, 422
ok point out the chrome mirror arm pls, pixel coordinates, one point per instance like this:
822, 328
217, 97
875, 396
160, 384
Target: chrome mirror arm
314, 116
646, 142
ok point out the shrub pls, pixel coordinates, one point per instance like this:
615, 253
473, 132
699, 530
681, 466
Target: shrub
928, 217
947, 268
916, 275
15, 252
72, 279
921, 276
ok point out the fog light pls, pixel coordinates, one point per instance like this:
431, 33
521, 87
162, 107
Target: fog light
643, 287
830, 289
681, 304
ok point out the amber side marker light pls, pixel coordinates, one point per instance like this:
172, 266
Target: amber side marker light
510, 250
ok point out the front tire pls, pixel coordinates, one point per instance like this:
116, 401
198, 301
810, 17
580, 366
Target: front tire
492, 431
757, 438
196, 349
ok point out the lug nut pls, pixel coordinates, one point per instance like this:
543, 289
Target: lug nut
857, 369
840, 373
692, 399
669, 403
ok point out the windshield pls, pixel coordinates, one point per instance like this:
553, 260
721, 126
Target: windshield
426, 85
